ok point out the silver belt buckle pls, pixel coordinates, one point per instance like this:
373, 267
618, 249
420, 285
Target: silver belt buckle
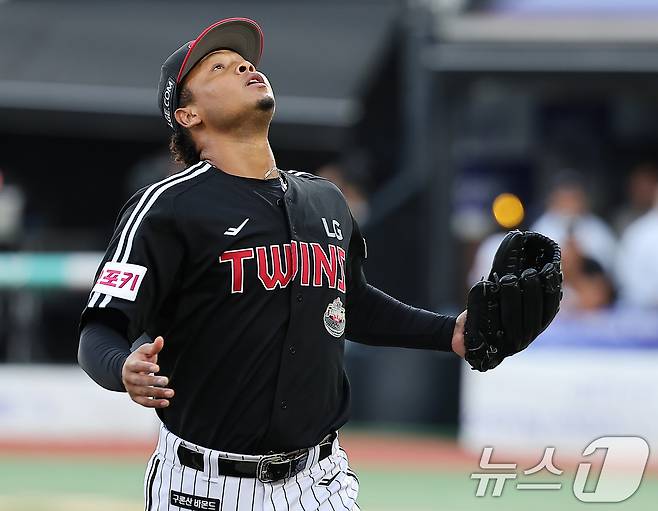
263, 472
294, 460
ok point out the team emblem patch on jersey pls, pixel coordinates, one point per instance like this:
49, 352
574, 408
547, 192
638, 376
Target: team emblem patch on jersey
121, 280
334, 318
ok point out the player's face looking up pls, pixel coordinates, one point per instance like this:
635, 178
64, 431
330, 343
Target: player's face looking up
227, 93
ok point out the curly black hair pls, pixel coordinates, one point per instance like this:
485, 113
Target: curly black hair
182, 147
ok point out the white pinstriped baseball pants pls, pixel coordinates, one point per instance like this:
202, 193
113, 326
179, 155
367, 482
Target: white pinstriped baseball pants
328, 485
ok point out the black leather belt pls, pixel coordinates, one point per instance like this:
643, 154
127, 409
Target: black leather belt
269, 468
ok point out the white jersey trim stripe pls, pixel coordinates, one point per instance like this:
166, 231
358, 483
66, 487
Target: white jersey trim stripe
150, 203
141, 202
93, 299
142, 214
133, 215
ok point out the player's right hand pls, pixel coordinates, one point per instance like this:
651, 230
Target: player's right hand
458, 335
139, 378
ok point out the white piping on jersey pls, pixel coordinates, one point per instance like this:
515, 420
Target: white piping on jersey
143, 212
140, 203
299, 173
151, 194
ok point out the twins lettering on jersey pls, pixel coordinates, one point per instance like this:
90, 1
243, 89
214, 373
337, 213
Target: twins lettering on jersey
278, 265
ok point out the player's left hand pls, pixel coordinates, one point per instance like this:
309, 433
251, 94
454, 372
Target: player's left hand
458, 335
516, 303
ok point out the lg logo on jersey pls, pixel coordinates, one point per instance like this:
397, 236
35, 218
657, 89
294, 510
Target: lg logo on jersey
337, 233
315, 266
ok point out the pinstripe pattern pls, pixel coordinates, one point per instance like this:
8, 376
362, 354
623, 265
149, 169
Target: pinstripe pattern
194, 490
171, 471
182, 478
207, 462
162, 470
285, 495
253, 496
337, 468
148, 488
148, 482
315, 496
299, 493
324, 474
237, 501
147, 478
223, 491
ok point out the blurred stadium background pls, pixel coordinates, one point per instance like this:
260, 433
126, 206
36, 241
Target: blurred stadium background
425, 113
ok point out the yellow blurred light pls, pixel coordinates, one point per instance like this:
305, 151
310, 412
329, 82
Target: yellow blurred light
507, 210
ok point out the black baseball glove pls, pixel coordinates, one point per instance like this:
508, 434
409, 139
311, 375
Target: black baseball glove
516, 303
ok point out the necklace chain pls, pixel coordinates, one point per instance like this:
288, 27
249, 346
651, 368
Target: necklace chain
265, 176
270, 171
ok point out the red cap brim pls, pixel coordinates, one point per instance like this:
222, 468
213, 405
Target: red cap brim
241, 35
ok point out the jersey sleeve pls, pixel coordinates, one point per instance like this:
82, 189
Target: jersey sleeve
377, 319
357, 252
141, 264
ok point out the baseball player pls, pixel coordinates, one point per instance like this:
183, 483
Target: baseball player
225, 295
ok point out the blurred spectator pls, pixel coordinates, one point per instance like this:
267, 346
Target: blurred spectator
641, 189
12, 205
587, 286
567, 210
637, 269
351, 176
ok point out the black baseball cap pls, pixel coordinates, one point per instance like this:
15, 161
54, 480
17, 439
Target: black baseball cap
241, 35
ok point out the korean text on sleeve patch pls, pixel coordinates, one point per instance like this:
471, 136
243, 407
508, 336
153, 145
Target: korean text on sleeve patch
121, 280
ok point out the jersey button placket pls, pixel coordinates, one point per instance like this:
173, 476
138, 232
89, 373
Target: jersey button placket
293, 229
284, 405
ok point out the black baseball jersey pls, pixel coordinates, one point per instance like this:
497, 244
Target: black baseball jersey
249, 282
